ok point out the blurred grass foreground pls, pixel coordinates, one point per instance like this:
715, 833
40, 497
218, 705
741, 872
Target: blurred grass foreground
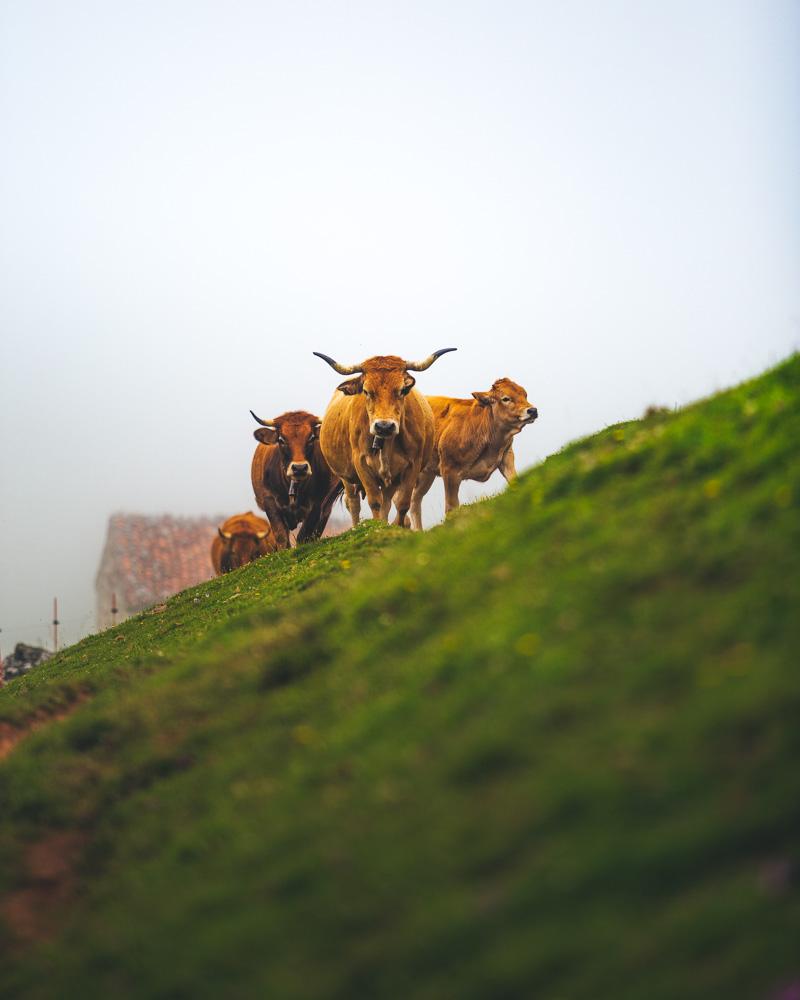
549, 749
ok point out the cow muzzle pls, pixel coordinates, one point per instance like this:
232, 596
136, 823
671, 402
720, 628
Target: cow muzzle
384, 428
297, 474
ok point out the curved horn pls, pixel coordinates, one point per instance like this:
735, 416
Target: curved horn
420, 366
261, 535
226, 535
264, 423
341, 369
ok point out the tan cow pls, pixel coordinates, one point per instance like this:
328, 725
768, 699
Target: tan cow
240, 540
473, 438
377, 433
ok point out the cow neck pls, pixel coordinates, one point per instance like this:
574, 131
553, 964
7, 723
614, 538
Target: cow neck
486, 429
492, 435
512, 431
501, 432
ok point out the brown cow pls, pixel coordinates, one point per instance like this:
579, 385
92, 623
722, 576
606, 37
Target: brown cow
473, 438
377, 434
240, 540
291, 479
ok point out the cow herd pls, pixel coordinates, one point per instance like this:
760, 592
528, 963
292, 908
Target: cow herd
379, 439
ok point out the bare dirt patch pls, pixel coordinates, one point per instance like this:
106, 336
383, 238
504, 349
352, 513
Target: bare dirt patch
11, 736
50, 881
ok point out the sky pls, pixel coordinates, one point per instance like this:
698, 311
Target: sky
597, 199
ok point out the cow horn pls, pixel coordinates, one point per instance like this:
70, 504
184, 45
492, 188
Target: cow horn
264, 423
341, 369
261, 535
227, 535
420, 366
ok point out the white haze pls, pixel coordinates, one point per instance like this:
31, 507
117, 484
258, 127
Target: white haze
597, 199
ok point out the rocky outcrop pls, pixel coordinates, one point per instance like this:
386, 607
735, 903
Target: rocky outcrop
23, 659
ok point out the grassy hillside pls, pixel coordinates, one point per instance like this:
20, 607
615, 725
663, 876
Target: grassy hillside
549, 749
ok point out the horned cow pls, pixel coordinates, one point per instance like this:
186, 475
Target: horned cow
291, 480
378, 433
239, 540
473, 438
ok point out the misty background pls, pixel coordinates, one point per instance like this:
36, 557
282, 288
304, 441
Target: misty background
598, 200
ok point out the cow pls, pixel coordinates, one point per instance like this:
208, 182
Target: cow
378, 433
240, 540
291, 479
473, 438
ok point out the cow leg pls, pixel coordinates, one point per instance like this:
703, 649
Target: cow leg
507, 467
310, 528
373, 487
402, 500
277, 523
323, 512
424, 483
352, 499
402, 504
375, 501
451, 483
386, 501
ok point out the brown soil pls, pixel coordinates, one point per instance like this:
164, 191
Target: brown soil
31, 912
11, 735
49, 879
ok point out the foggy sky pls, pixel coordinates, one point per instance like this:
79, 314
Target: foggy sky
596, 199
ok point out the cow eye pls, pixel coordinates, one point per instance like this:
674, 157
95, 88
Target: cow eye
506, 399
281, 440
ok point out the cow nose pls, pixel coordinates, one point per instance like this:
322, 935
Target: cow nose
385, 427
300, 468
533, 412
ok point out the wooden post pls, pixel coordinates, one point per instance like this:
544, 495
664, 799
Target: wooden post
55, 624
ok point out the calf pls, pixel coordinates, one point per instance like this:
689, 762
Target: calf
473, 438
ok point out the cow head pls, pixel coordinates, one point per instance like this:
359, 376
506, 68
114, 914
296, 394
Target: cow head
241, 544
294, 433
385, 383
510, 402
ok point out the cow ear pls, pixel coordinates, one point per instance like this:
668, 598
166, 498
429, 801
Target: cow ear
483, 398
266, 435
353, 386
408, 385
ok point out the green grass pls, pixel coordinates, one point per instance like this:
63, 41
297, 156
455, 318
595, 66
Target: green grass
549, 749
162, 635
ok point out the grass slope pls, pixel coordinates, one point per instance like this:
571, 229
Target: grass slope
548, 749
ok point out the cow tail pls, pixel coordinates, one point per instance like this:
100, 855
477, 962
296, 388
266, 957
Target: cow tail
334, 494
